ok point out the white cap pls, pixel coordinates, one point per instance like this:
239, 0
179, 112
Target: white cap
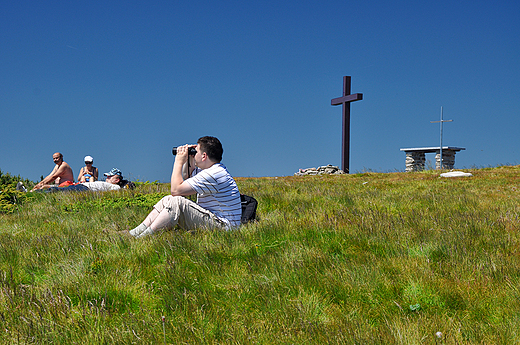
89, 159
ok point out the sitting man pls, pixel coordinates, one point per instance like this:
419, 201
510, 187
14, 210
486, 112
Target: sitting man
218, 199
61, 174
114, 181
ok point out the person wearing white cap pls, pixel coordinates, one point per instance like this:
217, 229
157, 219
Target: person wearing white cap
88, 173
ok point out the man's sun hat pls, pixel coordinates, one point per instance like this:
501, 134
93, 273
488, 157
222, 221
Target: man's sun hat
89, 159
114, 171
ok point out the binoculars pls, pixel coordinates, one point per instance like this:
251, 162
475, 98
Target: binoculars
191, 151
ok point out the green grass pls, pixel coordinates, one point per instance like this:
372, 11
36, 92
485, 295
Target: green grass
365, 258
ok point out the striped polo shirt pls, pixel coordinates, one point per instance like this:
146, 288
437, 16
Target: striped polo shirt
217, 192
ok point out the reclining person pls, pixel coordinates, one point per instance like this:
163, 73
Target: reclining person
60, 174
114, 181
218, 199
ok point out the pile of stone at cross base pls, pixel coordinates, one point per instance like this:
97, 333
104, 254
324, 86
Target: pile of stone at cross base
323, 170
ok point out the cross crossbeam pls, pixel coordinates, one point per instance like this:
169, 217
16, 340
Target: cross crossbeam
347, 99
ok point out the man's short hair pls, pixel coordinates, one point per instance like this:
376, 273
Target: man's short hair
212, 147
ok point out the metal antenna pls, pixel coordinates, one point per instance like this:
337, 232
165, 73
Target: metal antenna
441, 121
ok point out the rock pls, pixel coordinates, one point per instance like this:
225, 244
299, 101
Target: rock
456, 174
323, 170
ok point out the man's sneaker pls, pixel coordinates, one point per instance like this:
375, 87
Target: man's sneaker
20, 187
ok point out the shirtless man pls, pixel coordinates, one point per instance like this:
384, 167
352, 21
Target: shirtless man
62, 172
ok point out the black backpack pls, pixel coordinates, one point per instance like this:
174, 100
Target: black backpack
249, 205
127, 184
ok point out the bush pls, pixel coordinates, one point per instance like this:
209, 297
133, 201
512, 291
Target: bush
9, 196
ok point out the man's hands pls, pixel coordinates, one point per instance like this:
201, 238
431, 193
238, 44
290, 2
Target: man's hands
182, 153
177, 185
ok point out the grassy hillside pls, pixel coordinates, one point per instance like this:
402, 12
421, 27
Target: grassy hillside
364, 258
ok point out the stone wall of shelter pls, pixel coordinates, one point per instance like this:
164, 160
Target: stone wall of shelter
415, 161
448, 159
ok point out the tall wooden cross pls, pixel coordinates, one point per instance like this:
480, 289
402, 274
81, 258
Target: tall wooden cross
345, 101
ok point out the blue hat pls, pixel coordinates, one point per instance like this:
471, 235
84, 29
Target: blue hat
114, 171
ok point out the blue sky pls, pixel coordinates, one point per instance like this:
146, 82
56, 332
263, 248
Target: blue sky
124, 81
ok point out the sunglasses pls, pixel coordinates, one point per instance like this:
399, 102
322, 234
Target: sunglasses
88, 162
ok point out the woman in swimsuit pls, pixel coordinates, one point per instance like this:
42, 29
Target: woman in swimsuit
88, 173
